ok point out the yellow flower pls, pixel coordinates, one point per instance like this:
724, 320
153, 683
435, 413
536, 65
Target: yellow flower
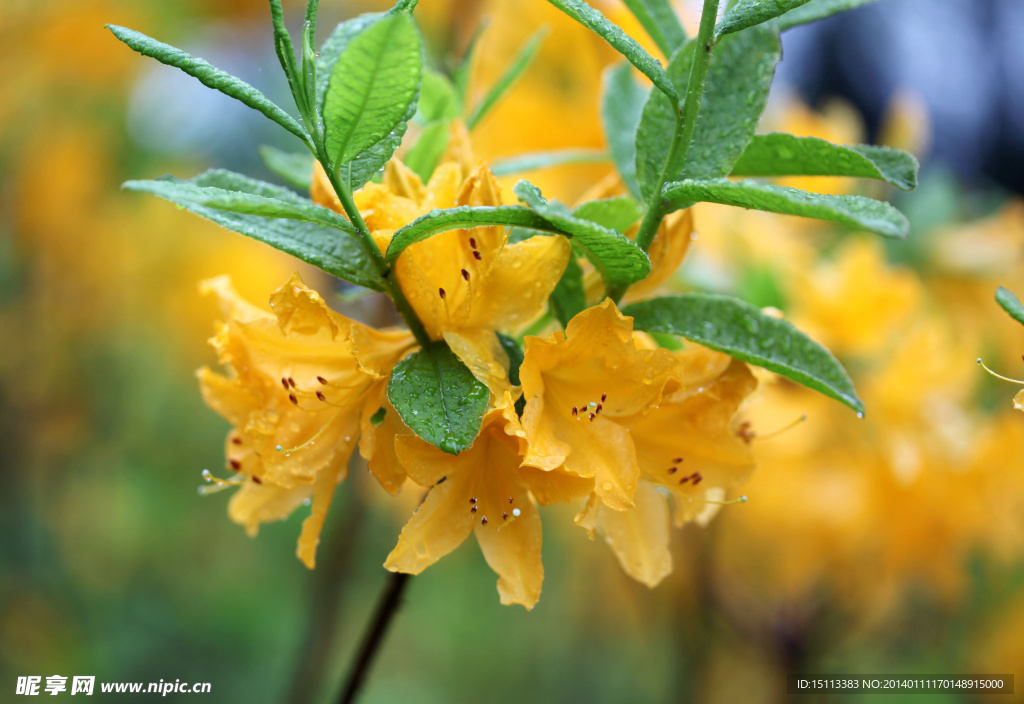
689, 455
465, 284
483, 491
580, 387
304, 377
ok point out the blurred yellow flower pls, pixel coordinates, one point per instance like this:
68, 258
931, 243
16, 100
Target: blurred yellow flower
304, 376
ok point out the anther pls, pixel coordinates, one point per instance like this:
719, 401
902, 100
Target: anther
284, 383
697, 478
235, 464
236, 440
442, 480
472, 509
599, 408
472, 499
677, 460
685, 479
575, 411
477, 255
292, 382
465, 275
322, 380
510, 499
483, 521
673, 470
291, 397
257, 480
504, 516
440, 292
472, 242
320, 395
593, 416
604, 397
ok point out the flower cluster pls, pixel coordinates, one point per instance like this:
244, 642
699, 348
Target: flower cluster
641, 434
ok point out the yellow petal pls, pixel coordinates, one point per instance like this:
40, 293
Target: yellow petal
640, 536
323, 494
254, 504
668, 249
556, 486
1018, 401
377, 442
481, 351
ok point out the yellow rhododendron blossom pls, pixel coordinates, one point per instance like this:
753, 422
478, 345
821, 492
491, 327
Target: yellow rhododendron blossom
464, 284
304, 377
689, 455
580, 387
481, 491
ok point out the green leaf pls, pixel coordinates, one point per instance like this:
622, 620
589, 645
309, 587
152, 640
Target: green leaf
658, 124
336, 253
620, 41
519, 64
660, 22
569, 296
372, 85
225, 197
744, 332
747, 13
543, 160
1010, 303
438, 221
618, 259
439, 398
515, 357
294, 169
424, 156
209, 76
622, 103
735, 95
855, 211
354, 174
334, 47
817, 10
618, 213
286, 55
439, 100
786, 155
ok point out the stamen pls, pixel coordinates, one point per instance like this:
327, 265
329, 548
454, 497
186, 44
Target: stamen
477, 255
504, 516
236, 440
322, 380
599, 408
291, 381
780, 431
999, 376
740, 500
320, 395
677, 460
284, 383
472, 242
510, 499
440, 292
293, 399
593, 416
472, 499
257, 479
442, 480
309, 442
472, 509
465, 275
483, 521
575, 410
697, 478
604, 397
673, 470
235, 464
685, 479
215, 484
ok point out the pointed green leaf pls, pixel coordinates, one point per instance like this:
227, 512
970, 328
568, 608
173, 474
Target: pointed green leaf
660, 22
622, 102
439, 100
747, 13
282, 204
543, 160
620, 41
209, 76
439, 398
744, 332
354, 174
424, 156
735, 95
1010, 303
334, 47
325, 247
519, 64
295, 169
817, 10
438, 221
619, 213
658, 124
786, 155
569, 296
618, 259
286, 55
372, 85
855, 211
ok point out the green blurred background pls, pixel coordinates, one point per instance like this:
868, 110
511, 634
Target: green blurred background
111, 564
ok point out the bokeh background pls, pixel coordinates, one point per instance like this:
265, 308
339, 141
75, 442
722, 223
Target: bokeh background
889, 544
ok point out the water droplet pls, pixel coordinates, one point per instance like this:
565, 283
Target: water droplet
607, 486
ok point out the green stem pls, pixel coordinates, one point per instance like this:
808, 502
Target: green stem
390, 285
685, 127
